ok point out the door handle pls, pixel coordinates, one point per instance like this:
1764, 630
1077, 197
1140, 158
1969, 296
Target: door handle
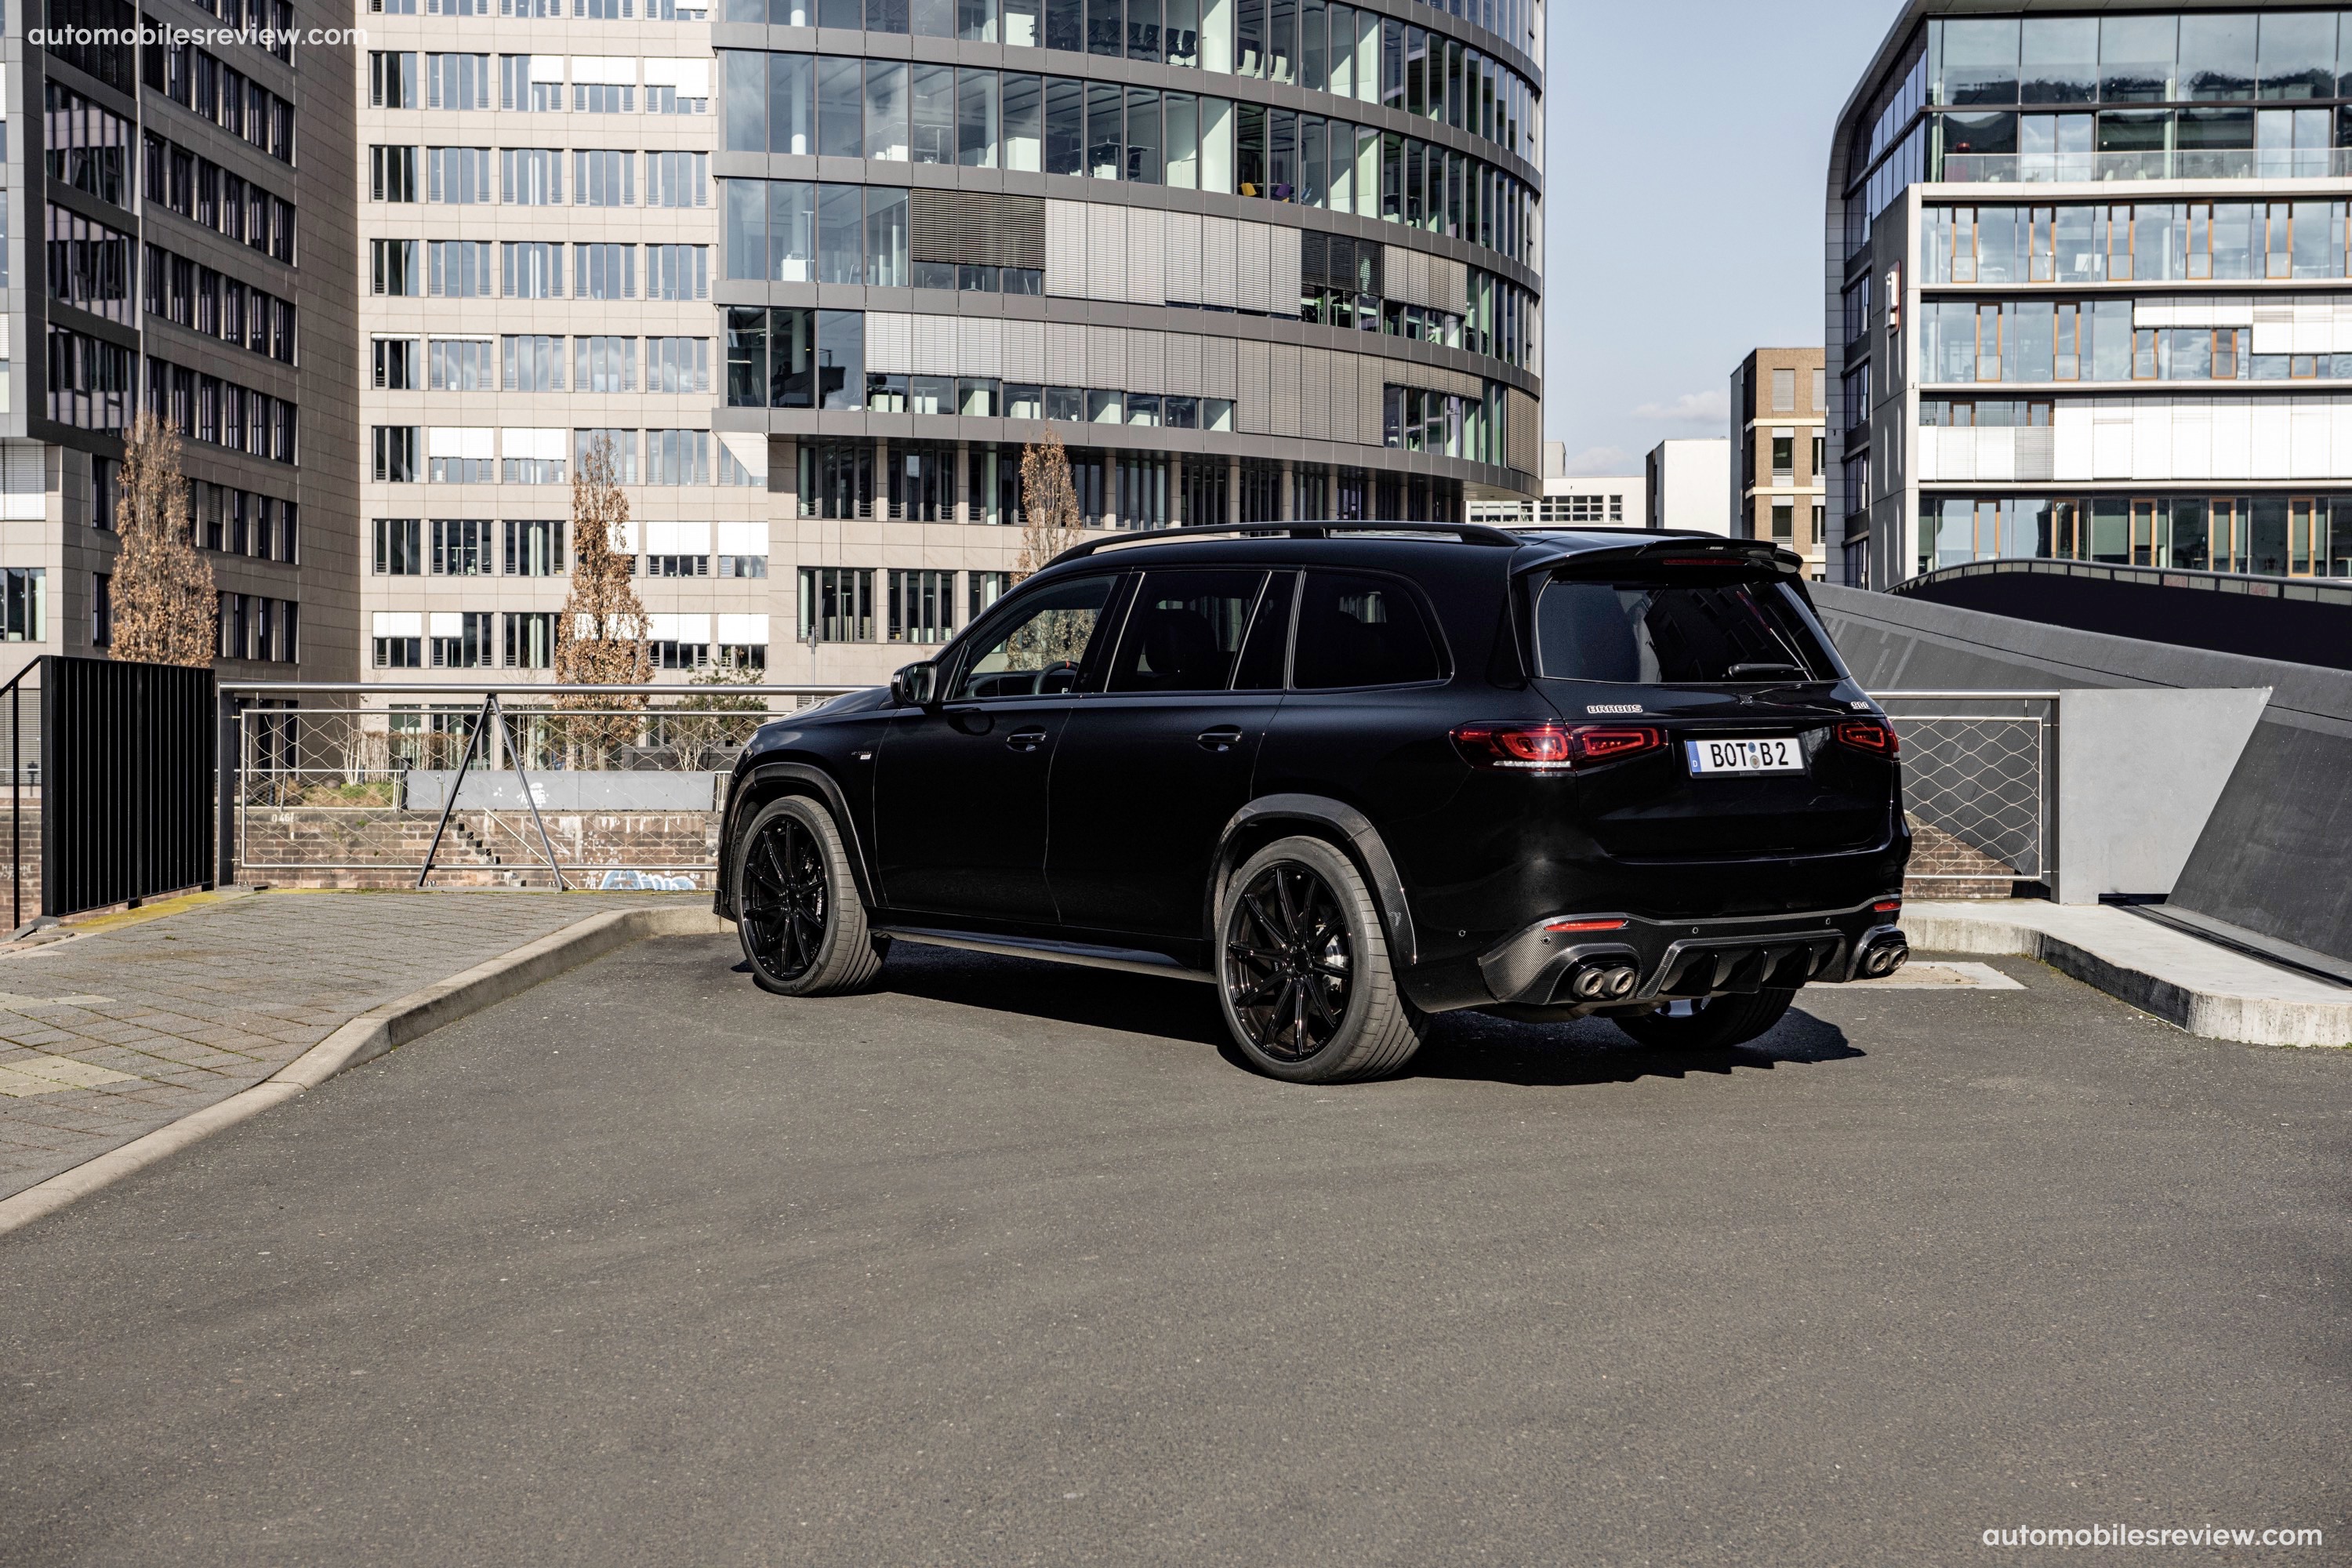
1028, 739
1224, 738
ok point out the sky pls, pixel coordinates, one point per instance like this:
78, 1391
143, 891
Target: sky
1687, 148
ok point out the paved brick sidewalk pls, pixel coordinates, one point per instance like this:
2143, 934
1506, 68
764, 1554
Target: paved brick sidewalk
142, 1025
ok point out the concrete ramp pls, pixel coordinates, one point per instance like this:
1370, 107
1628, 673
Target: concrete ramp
2273, 855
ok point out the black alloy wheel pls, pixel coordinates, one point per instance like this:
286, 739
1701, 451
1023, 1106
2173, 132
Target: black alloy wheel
786, 898
1291, 967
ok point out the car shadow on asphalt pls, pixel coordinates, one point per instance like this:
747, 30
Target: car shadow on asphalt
1466, 1046
1592, 1051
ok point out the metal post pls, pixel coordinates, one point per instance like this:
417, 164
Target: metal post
16, 804
514, 754
229, 771
451, 804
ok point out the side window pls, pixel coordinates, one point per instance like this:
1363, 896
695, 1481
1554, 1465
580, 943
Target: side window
1184, 631
1268, 645
1362, 631
1037, 652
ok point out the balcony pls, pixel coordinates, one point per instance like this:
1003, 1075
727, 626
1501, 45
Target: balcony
2154, 163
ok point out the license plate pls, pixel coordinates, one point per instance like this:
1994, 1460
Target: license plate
1770, 756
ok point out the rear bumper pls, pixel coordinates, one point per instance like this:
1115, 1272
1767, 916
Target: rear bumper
1681, 958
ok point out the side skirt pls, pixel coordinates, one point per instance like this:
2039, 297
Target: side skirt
1132, 961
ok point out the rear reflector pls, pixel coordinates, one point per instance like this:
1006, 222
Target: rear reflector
1885, 906
1873, 735
1551, 747
1586, 925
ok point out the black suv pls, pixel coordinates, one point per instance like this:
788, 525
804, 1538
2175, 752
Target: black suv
1351, 776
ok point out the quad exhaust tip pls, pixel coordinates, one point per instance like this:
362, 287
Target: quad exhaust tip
1604, 983
1885, 955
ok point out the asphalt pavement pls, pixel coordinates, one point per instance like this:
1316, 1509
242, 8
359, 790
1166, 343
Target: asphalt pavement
1004, 1264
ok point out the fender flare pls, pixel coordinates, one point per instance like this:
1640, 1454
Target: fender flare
1380, 866
827, 788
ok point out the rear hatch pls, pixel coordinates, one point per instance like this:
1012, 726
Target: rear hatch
1712, 644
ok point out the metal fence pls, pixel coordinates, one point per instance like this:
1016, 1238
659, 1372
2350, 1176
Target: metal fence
1981, 772
417, 785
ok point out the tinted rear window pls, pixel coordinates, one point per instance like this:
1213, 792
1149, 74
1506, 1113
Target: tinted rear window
1362, 631
1667, 633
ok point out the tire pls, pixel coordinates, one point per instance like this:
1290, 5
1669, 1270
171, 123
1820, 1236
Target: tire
1303, 972
802, 923
1715, 1024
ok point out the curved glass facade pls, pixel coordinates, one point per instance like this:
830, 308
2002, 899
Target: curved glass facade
819, 271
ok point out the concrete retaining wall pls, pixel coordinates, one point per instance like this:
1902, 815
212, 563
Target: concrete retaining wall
2271, 854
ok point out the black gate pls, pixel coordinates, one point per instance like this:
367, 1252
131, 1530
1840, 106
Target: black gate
126, 779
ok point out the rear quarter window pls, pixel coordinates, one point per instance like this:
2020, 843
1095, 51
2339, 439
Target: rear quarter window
1671, 633
1361, 630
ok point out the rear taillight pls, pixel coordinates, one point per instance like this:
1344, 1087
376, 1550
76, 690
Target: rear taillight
1873, 735
1552, 748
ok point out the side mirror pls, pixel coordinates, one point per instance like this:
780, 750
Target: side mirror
915, 686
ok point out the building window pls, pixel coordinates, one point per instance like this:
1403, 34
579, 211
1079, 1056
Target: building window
392, 267
461, 176
461, 639
531, 269
1784, 521
922, 606
836, 602
530, 363
678, 272
605, 364
392, 174
677, 457
460, 365
391, 80
461, 548
604, 178
983, 589
396, 363
534, 548
605, 271
530, 639
533, 83
399, 547
457, 81
533, 176
89, 380
460, 269
396, 454
677, 179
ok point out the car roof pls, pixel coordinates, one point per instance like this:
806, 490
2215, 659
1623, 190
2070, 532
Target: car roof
1530, 548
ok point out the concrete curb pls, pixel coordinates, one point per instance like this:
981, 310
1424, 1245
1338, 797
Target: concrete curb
2204, 988
364, 1039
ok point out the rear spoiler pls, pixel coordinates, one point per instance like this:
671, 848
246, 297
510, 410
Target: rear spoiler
1702, 550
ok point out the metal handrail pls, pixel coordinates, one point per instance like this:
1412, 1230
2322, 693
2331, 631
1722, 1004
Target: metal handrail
1932, 696
480, 688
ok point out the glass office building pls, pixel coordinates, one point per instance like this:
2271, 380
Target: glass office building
2087, 295
175, 228
819, 270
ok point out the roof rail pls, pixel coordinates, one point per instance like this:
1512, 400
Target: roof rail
1467, 532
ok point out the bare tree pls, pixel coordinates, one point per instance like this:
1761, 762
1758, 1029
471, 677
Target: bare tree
1051, 521
601, 636
165, 607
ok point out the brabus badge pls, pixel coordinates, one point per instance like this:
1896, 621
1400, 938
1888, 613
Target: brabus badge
1612, 708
